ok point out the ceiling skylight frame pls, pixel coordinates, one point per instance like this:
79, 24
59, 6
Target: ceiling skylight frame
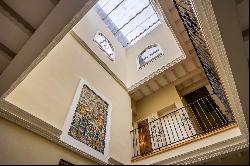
129, 20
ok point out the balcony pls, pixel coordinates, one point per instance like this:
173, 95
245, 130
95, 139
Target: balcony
197, 120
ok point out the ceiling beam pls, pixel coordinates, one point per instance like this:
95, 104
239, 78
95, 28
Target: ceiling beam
165, 77
187, 76
143, 94
194, 87
158, 84
6, 50
150, 89
17, 17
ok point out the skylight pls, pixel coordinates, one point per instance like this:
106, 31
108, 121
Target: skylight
129, 20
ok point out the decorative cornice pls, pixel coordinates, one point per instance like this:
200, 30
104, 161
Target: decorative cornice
154, 74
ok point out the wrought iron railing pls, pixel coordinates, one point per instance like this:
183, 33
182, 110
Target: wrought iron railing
191, 24
197, 118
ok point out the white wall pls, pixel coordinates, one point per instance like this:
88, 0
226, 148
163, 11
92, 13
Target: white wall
163, 36
47, 92
87, 28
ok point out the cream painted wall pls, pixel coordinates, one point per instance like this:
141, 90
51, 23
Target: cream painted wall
19, 146
87, 28
163, 36
157, 101
47, 92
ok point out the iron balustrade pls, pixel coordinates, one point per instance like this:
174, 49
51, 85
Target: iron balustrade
186, 12
199, 117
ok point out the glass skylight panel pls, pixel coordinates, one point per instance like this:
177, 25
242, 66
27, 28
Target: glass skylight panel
129, 20
105, 45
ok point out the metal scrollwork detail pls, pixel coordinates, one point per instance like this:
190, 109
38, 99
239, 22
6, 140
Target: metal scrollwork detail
190, 22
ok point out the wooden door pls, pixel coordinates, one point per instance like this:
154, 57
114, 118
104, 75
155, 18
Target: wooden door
144, 137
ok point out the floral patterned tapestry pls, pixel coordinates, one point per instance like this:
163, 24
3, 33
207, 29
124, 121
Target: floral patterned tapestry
90, 119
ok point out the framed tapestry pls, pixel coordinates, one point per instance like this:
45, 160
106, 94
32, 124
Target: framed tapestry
87, 125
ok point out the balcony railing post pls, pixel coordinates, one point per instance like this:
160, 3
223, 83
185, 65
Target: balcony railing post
200, 117
218, 112
202, 99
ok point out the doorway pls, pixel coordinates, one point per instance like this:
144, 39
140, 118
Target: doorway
144, 137
207, 113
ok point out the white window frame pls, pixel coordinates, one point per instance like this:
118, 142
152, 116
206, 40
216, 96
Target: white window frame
139, 66
112, 56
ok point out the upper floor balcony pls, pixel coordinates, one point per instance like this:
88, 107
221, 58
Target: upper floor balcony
171, 128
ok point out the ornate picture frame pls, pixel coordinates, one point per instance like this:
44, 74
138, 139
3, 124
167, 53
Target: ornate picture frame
87, 125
